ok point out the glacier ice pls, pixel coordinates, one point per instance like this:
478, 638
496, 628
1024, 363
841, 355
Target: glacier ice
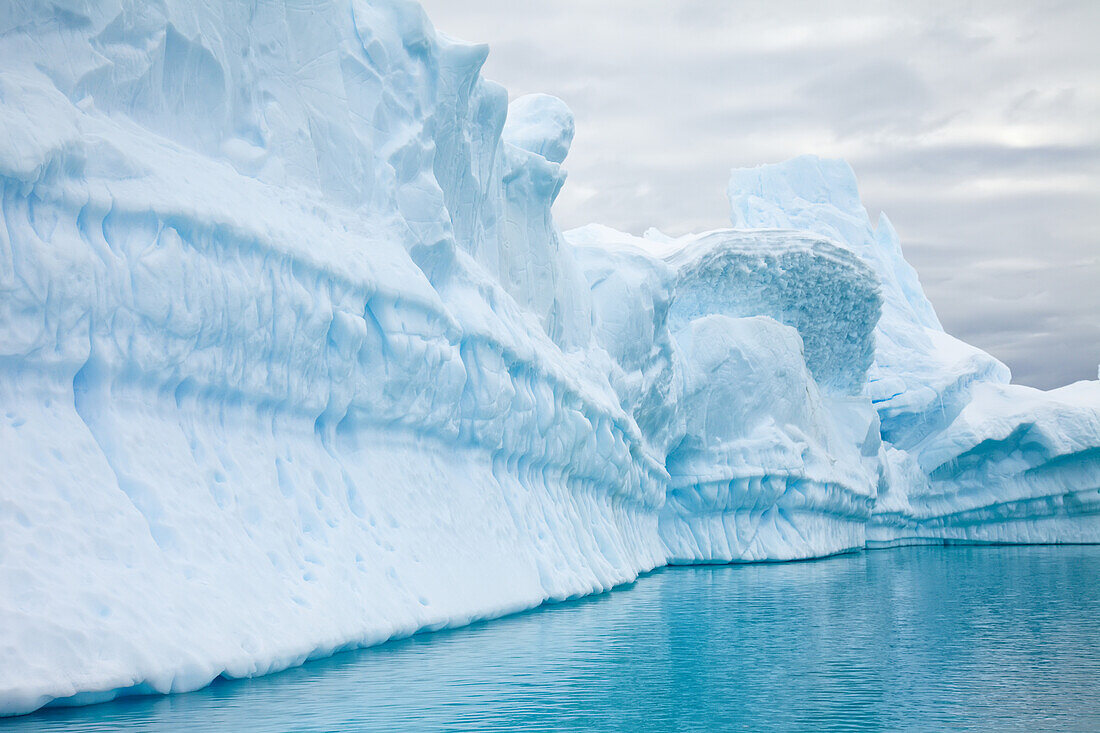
293, 358
969, 457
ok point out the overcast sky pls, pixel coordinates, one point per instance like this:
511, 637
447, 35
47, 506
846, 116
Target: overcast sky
975, 126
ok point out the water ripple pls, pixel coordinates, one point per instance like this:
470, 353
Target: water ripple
961, 638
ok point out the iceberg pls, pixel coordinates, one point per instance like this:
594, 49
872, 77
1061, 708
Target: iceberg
751, 393
969, 457
294, 359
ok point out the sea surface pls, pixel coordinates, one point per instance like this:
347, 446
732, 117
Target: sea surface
924, 638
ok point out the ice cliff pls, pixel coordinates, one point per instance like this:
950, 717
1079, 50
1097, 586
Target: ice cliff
293, 358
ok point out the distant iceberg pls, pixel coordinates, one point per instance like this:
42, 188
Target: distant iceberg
293, 358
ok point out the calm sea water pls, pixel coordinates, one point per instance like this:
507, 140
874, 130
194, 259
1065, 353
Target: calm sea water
985, 638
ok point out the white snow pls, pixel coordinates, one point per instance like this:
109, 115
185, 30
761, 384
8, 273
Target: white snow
293, 358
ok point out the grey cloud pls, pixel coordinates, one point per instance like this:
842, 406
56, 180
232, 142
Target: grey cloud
872, 96
929, 163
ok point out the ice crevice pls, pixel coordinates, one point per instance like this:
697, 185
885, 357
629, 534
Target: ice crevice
294, 359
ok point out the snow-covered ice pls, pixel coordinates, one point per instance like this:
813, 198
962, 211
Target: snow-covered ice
293, 358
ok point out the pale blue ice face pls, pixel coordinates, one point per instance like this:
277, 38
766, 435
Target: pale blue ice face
916, 638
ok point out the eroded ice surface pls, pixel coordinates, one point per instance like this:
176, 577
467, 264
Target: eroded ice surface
294, 359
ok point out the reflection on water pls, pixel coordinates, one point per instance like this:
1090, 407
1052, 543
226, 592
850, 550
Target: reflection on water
920, 638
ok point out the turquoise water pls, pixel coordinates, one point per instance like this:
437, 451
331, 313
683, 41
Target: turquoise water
985, 638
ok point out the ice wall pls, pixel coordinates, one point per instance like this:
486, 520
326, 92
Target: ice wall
921, 376
264, 393
294, 359
1017, 465
742, 356
969, 457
